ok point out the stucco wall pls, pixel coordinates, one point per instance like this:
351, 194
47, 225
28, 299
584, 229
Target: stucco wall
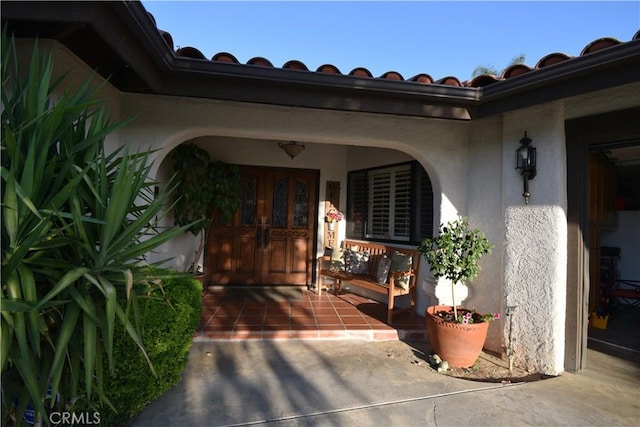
471, 166
249, 133
485, 212
536, 238
526, 271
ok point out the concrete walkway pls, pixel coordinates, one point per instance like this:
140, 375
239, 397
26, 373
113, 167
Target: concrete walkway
354, 383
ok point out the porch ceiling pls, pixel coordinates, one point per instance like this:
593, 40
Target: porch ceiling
120, 40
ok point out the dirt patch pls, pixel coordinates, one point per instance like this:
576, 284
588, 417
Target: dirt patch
488, 368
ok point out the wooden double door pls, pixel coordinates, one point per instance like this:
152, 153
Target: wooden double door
270, 240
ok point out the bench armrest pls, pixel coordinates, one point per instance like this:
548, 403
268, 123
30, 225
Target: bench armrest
398, 274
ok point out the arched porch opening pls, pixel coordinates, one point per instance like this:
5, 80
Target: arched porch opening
333, 163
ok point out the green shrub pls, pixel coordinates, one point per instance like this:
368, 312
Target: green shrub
77, 222
167, 322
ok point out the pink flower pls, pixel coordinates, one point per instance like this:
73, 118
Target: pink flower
333, 216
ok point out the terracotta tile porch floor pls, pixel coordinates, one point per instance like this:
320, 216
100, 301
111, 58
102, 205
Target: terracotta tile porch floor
325, 316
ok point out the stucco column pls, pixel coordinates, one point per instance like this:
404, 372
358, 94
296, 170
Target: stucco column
535, 240
535, 285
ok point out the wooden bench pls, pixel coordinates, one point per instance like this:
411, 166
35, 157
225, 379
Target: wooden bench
390, 288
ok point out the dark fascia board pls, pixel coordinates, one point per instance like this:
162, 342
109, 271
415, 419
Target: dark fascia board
248, 83
608, 130
127, 29
111, 21
614, 66
603, 69
440, 93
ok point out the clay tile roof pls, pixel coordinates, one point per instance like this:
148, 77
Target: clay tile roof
167, 39
295, 65
360, 72
515, 70
225, 57
449, 80
153, 19
260, 61
328, 68
123, 31
165, 35
483, 80
422, 78
552, 58
392, 75
479, 81
190, 52
599, 44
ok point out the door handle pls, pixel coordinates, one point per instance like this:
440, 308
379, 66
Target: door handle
266, 237
259, 237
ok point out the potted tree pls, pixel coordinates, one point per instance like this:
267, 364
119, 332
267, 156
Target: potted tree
202, 187
457, 335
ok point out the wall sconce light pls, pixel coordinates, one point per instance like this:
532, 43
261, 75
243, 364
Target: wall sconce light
292, 148
526, 164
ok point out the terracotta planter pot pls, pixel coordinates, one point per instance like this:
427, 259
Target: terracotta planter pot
458, 344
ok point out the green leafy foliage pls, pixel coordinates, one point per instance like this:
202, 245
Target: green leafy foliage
190, 164
76, 225
455, 251
467, 316
491, 70
168, 317
203, 186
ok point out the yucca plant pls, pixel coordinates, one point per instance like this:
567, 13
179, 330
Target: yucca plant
76, 225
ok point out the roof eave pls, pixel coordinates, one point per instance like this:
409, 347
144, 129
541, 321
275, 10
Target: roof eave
248, 83
141, 62
127, 60
137, 60
611, 67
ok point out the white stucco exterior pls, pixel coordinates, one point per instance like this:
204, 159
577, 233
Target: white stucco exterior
470, 163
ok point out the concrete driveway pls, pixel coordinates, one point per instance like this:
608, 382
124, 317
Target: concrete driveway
354, 383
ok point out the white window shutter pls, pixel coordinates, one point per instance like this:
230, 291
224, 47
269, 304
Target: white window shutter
390, 203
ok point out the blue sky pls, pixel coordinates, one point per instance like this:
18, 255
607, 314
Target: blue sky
437, 38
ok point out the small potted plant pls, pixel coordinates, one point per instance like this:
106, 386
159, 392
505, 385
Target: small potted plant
457, 335
332, 217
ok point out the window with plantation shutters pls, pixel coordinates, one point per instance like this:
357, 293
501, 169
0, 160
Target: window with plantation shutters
402, 204
390, 203
393, 203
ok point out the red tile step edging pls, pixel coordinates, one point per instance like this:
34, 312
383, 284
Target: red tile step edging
325, 317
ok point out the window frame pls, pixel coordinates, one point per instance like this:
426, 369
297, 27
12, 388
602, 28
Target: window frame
421, 210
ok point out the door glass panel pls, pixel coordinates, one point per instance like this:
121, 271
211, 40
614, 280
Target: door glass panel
280, 202
249, 196
301, 204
